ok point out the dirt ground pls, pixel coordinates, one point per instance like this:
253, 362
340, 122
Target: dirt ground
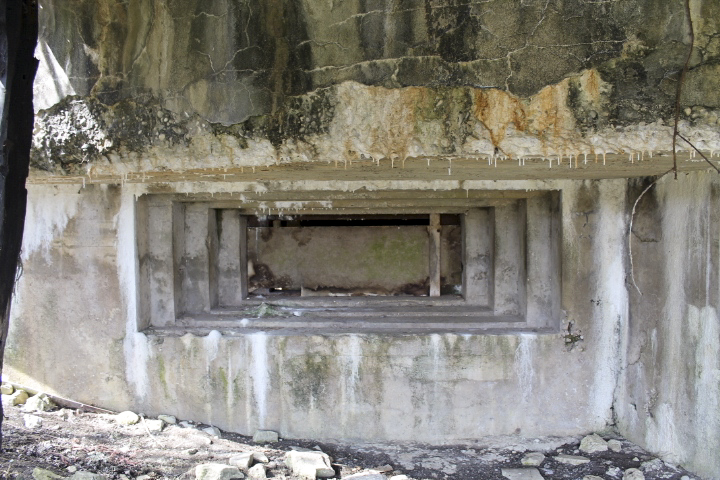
71, 440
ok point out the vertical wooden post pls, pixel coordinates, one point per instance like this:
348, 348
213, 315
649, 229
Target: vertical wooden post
434, 270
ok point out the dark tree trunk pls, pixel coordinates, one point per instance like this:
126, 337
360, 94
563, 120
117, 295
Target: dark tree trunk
18, 37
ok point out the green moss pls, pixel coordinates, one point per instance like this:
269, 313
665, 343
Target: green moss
309, 375
162, 375
224, 382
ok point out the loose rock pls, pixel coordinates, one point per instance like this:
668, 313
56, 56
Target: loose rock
42, 474
217, 471
243, 461
154, 425
309, 465
366, 476
266, 436
522, 474
38, 403
6, 389
651, 465
19, 397
533, 459
633, 474
399, 477
127, 418
213, 431
169, 419
257, 472
593, 443
32, 421
87, 476
615, 445
260, 457
384, 468
571, 459
592, 477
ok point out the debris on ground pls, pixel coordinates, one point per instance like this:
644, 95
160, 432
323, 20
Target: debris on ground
44, 442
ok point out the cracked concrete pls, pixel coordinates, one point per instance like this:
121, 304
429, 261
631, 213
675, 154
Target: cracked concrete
278, 102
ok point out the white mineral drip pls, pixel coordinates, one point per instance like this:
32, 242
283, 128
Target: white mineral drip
524, 367
260, 373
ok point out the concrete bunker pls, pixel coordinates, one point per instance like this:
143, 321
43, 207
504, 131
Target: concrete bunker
176, 142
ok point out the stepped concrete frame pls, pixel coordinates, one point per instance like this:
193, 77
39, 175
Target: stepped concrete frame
582, 296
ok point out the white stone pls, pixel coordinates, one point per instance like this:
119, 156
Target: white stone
399, 477
71, 469
212, 431
571, 459
32, 421
155, 425
521, 473
533, 459
654, 464
613, 472
593, 443
217, 471
127, 418
186, 424
6, 389
592, 477
384, 468
87, 476
615, 445
38, 403
169, 419
260, 457
18, 397
242, 460
42, 474
367, 475
633, 474
257, 472
309, 465
265, 436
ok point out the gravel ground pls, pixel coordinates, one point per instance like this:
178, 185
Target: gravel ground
71, 440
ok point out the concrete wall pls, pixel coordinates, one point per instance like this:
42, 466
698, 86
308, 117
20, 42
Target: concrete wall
75, 333
668, 398
648, 362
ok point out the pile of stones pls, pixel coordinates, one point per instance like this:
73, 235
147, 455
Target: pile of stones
592, 459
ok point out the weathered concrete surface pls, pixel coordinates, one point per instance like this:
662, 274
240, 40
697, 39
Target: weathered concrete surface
421, 386
184, 98
669, 393
654, 360
179, 86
